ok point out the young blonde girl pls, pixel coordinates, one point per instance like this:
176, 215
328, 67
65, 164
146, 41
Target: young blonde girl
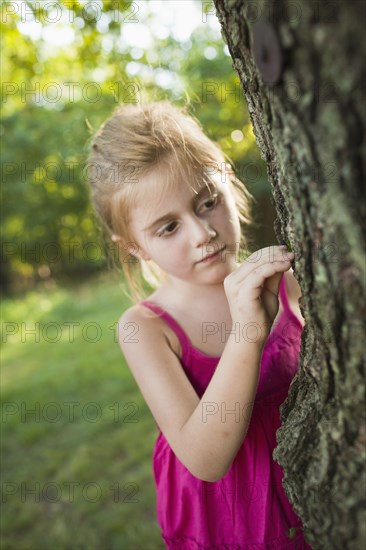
212, 352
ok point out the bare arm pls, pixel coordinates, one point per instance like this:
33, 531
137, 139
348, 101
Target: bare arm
217, 426
294, 290
203, 440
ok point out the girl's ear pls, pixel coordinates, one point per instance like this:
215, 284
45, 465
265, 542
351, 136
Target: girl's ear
134, 250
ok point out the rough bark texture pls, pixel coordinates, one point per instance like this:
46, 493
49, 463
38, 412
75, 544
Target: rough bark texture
309, 125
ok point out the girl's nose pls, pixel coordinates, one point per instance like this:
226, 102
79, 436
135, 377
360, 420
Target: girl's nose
201, 232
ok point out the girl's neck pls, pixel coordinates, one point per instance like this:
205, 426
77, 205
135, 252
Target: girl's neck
203, 297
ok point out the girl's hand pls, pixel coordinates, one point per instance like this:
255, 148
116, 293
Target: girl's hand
252, 290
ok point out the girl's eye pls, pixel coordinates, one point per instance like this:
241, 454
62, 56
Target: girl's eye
167, 230
212, 201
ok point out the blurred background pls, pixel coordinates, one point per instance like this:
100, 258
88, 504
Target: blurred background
77, 435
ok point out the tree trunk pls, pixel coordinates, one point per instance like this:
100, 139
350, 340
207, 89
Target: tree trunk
301, 66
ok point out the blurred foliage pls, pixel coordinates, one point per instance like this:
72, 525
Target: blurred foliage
54, 98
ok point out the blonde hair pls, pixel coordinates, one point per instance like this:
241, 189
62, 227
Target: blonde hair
144, 138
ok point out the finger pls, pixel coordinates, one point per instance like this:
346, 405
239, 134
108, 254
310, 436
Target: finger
258, 258
259, 275
264, 254
266, 259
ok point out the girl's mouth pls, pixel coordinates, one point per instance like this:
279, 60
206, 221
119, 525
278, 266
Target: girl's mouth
211, 257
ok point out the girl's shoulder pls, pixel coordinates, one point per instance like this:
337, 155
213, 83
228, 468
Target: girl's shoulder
139, 312
141, 319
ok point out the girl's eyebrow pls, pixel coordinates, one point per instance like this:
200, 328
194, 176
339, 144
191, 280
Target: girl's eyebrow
205, 188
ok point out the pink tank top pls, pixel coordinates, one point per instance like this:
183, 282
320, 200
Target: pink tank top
248, 508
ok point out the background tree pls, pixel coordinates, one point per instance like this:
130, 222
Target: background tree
54, 95
301, 66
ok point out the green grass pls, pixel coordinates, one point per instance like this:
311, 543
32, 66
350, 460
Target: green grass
91, 427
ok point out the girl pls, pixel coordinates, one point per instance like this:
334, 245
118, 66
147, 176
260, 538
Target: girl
202, 351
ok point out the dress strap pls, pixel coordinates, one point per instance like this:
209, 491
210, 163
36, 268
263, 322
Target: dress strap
182, 336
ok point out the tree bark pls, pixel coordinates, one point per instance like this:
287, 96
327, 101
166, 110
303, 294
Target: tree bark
301, 66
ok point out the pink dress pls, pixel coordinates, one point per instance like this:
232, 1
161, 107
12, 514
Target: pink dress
248, 508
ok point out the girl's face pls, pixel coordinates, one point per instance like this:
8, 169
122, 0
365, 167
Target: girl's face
178, 231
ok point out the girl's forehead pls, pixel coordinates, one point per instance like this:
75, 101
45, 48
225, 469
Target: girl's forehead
156, 187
